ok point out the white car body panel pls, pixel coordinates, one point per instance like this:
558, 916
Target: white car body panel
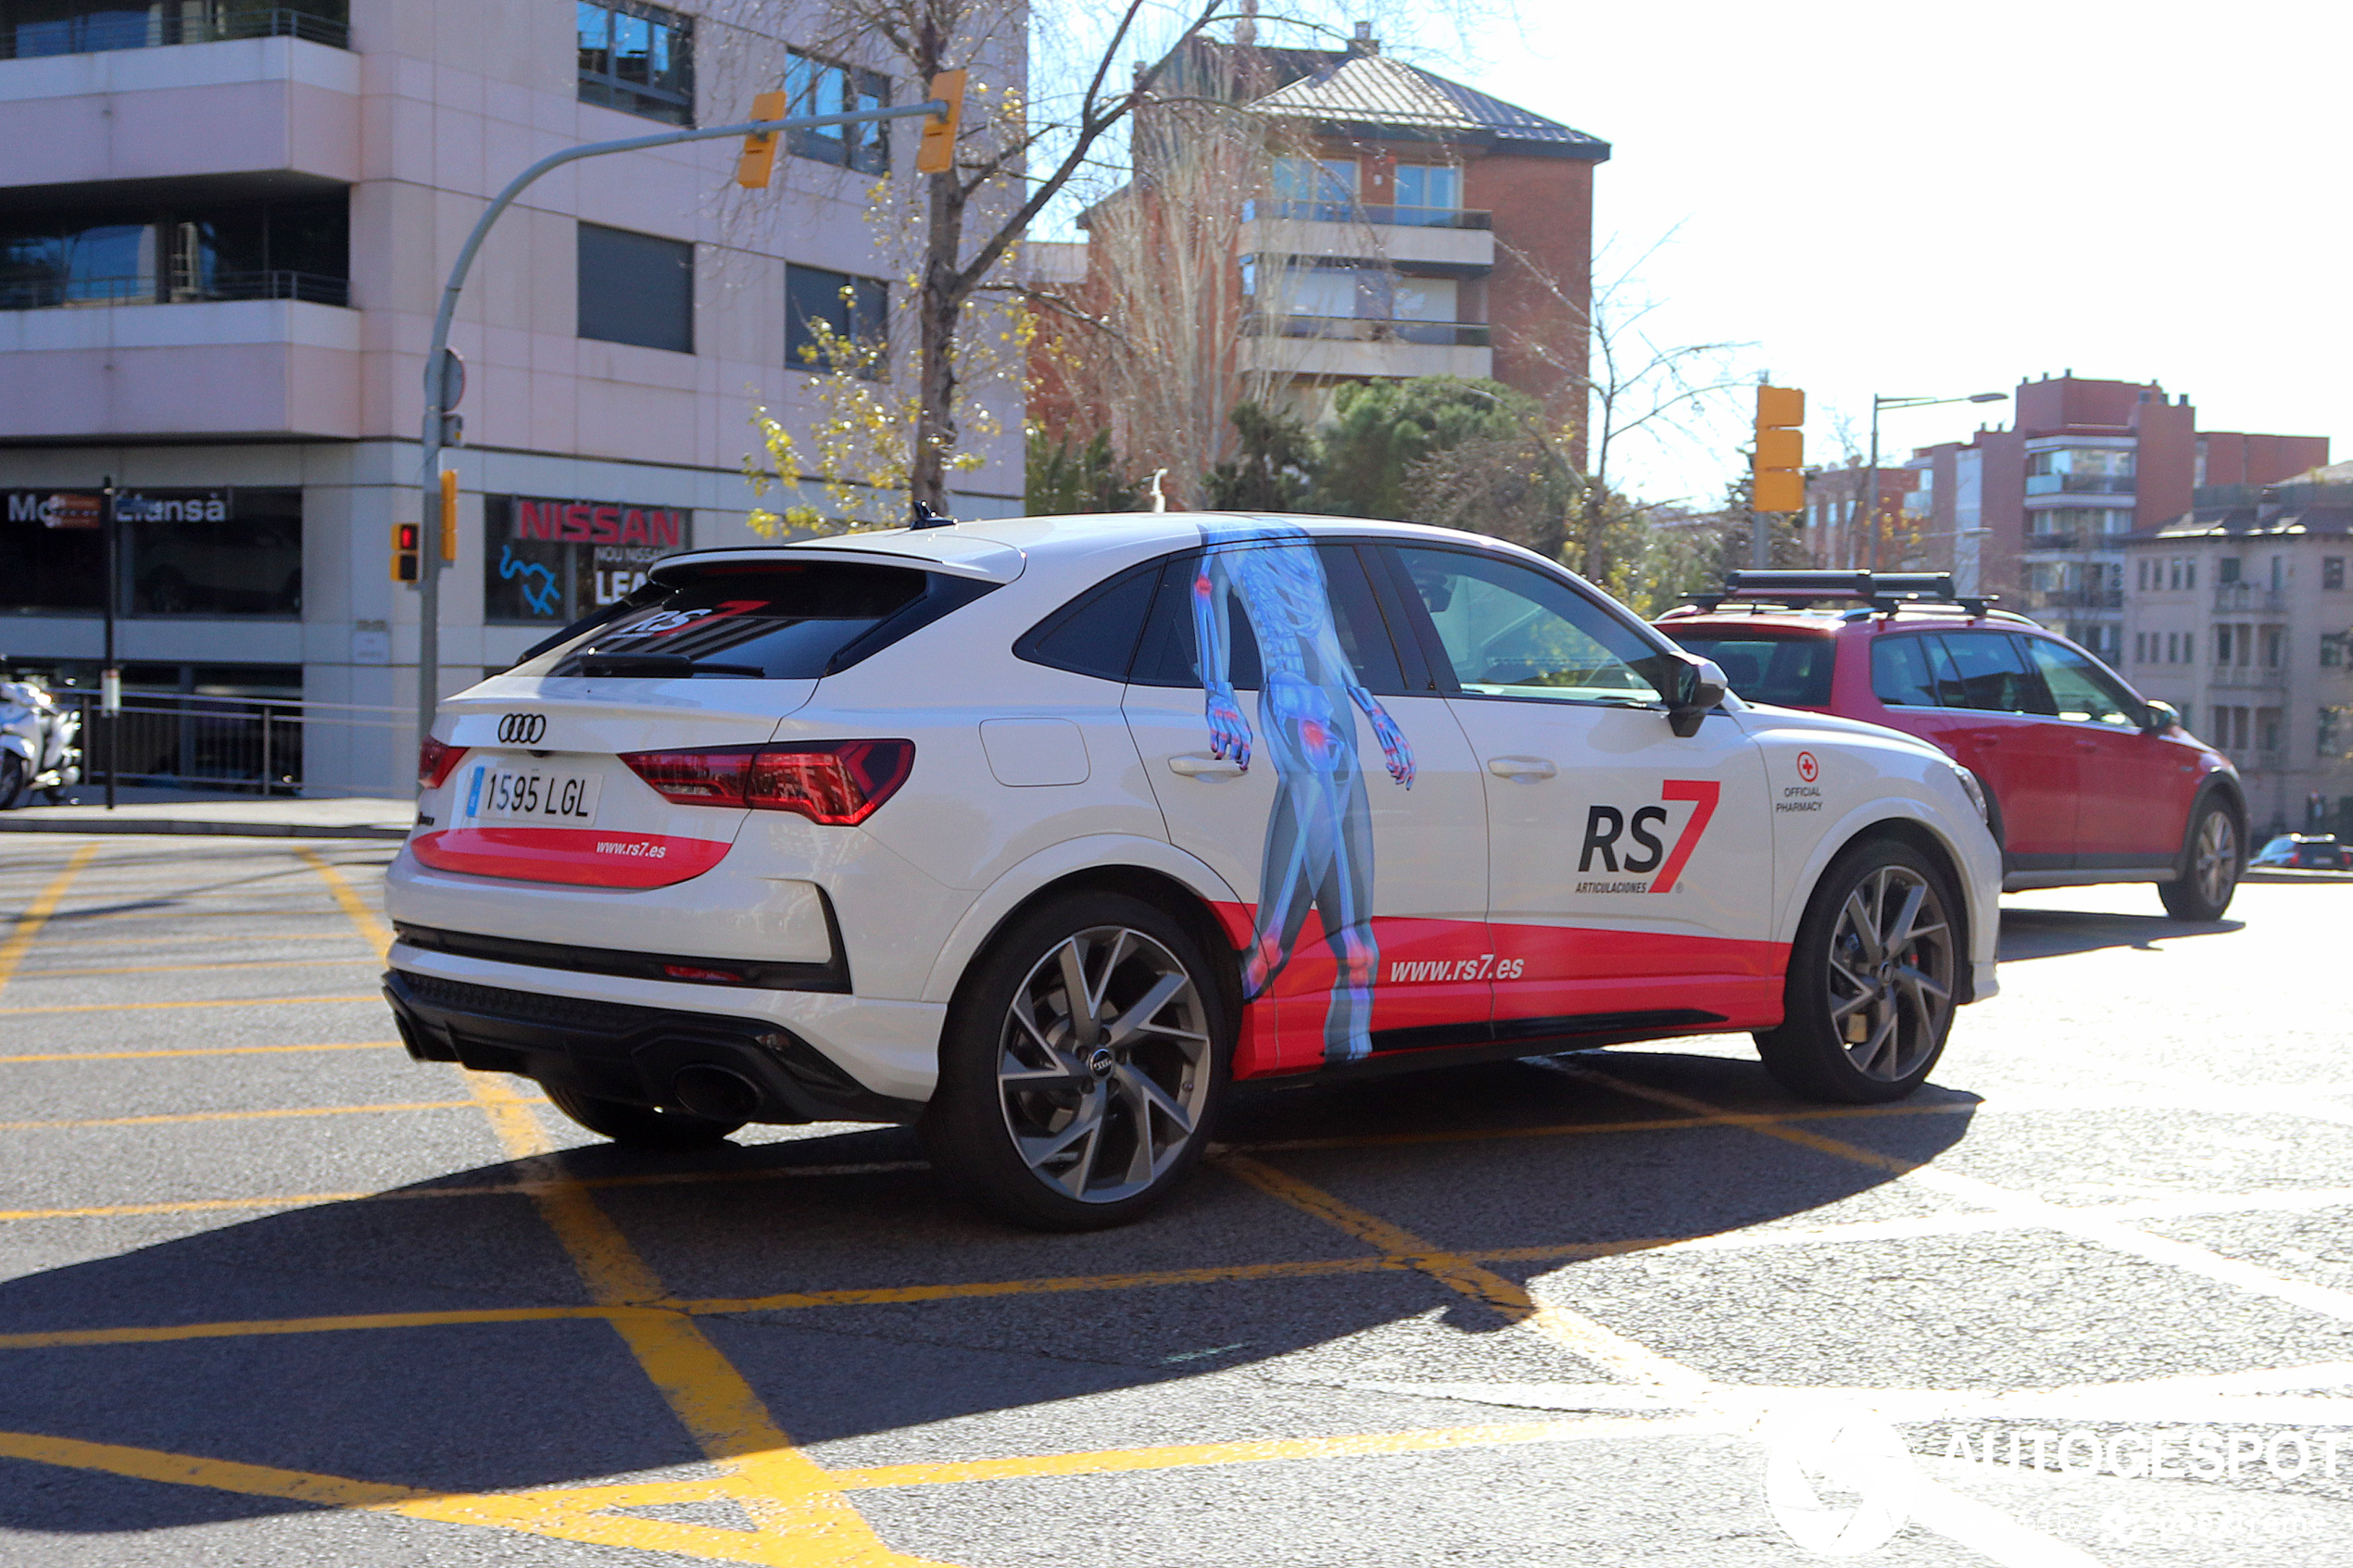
1024, 775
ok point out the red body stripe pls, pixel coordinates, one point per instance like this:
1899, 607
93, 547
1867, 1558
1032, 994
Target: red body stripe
1703, 793
575, 857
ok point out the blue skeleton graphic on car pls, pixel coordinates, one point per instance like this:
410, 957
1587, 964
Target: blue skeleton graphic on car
1319, 838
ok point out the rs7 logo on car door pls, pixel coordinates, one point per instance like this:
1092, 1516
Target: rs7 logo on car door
1620, 839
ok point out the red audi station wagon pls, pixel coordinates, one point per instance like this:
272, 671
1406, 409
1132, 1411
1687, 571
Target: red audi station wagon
2086, 781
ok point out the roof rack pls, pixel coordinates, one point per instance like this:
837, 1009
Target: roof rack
1885, 591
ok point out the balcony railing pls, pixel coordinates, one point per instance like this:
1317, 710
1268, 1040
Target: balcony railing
2074, 598
151, 28
2079, 485
1358, 329
2247, 598
1350, 212
2249, 677
44, 293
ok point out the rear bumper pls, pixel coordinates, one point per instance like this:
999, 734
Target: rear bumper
664, 1057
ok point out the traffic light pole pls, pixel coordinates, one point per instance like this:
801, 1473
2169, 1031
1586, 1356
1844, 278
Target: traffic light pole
442, 388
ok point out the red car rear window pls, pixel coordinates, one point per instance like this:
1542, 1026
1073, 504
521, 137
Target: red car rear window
1789, 671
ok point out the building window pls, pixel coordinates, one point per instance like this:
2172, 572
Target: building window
1320, 189
214, 553
2326, 738
636, 288
2230, 572
2332, 648
249, 250
639, 60
2189, 646
2274, 647
2222, 645
1429, 184
2331, 573
554, 561
835, 322
819, 86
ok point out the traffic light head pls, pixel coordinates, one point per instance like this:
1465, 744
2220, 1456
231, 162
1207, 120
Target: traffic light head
759, 161
1776, 483
405, 538
937, 153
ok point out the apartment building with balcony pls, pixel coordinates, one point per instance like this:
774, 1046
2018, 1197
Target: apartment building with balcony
225, 227
2239, 613
2039, 512
1367, 219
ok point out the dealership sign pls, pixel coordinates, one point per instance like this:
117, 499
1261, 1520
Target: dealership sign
599, 523
62, 508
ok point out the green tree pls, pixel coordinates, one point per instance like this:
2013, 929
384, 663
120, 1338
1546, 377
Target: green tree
1380, 429
1091, 479
1275, 472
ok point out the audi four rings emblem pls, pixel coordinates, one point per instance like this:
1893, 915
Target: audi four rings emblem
522, 729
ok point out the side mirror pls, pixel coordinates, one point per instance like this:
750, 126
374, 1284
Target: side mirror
2160, 717
1696, 687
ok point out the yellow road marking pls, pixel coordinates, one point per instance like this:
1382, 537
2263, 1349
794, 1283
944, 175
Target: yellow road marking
190, 968
241, 1115
201, 1051
221, 1474
36, 914
1111, 1461
184, 939
481, 1189
263, 1328
2026, 1207
224, 1002
347, 900
787, 1493
265, 912
1603, 1347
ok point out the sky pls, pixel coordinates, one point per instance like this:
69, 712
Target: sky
1937, 200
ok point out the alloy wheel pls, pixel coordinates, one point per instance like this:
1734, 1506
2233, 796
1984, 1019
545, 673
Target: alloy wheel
1891, 973
2216, 863
1103, 1066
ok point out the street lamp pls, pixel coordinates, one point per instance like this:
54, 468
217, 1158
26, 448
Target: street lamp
1878, 402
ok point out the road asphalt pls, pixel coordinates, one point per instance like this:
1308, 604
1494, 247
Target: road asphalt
270, 1293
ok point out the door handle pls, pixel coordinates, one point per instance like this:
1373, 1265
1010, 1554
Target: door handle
1195, 766
1520, 768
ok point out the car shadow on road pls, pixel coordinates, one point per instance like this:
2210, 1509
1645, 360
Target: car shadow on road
863, 1302
2053, 934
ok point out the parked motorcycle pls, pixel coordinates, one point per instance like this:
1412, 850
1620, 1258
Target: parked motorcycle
40, 744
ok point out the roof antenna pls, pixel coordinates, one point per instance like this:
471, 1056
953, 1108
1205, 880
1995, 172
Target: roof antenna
925, 517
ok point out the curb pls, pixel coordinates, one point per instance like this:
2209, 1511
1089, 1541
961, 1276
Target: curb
165, 825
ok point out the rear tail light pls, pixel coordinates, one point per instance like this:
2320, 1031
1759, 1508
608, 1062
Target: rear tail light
838, 782
435, 762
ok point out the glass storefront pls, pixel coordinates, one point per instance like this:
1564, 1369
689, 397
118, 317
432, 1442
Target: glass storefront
204, 553
549, 562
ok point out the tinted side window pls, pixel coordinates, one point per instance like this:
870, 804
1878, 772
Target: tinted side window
1991, 676
1168, 656
1791, 671
1900, 673
1095, 634
2081, 689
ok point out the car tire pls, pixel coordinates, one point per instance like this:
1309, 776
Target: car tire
1868, 1000
12, 780
1062, 1118
2210, 866
640, 1126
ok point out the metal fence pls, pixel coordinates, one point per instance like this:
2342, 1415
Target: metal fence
244, 745
99, 29
43, 291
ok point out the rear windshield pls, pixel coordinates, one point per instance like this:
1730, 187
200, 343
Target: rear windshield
795, 621
1785, 672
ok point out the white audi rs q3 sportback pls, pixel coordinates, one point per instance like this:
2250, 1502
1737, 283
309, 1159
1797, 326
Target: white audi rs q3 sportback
1039, 833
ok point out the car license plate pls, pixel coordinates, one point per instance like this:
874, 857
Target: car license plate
531, 795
